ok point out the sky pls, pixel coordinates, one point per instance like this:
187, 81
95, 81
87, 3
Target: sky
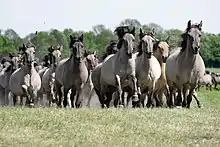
26, 16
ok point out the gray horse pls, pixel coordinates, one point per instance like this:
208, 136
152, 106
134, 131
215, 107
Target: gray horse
96, 72
10, 64
72, 73
48, 77
120, 68
25, 81
185, 66
215, 79
148, 69
206, 80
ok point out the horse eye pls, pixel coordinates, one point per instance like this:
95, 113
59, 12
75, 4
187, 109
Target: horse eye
200, 35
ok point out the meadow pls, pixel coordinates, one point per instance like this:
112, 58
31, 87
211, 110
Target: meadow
114, 127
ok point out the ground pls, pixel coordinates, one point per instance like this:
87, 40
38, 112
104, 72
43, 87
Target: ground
114, 127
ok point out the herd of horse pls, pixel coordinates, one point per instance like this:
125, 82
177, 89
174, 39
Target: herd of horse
126, 71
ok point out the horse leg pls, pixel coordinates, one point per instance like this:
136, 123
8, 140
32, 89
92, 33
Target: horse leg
108, 98
197, 101
26, 91
170, 100
65, 92
72, 96
6, 96
189, 97
118, 91
151, 100
90, 96
49, 98
179, 98
102, 93
167, 94
79, 96
135, 88
98, 93
123, 98
184, 96
58, 93
128, 98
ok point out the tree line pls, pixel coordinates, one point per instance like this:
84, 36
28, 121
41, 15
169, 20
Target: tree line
99, 37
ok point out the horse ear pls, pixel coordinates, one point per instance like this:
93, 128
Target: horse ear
50, 49
153, 31
189, 24
133, 31
167, 39
141, 34
94, 53
10, 55
81, 38
200, 25
60, 48
22, 48
71, 37
86, 53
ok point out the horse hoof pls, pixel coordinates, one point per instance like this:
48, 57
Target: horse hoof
199, 106
178, 107
31, 105
135, 98
120, 106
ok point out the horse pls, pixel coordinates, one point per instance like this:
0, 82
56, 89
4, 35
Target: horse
161, 52
119, 70
205, 80
185, 66
96, 72
72, 73
25, 81
48, 77
10, 64
148, 69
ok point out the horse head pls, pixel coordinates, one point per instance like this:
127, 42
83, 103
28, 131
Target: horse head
55, 54
192, 36
147, 42
76, 44
28, 52
126, 39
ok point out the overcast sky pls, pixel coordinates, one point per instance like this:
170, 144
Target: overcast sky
25, 16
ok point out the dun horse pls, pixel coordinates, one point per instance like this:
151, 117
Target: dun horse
185, 66
25, 81
72, 73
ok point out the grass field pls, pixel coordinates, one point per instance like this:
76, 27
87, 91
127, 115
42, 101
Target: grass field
113, 127
214, 69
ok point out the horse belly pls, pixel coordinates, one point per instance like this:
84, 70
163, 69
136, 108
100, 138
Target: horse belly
35, 81
107, 74
15, 85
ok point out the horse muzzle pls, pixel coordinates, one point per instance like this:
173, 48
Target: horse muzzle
196, 50
164, 59
129, 54
149, 54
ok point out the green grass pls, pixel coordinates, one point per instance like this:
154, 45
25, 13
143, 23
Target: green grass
213, 69
113, 127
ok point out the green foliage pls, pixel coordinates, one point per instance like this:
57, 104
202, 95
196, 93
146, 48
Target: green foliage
100, 36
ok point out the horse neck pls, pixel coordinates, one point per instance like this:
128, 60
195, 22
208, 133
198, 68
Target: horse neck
78, 66
189, 57
29, 70
123, 57
163, 70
